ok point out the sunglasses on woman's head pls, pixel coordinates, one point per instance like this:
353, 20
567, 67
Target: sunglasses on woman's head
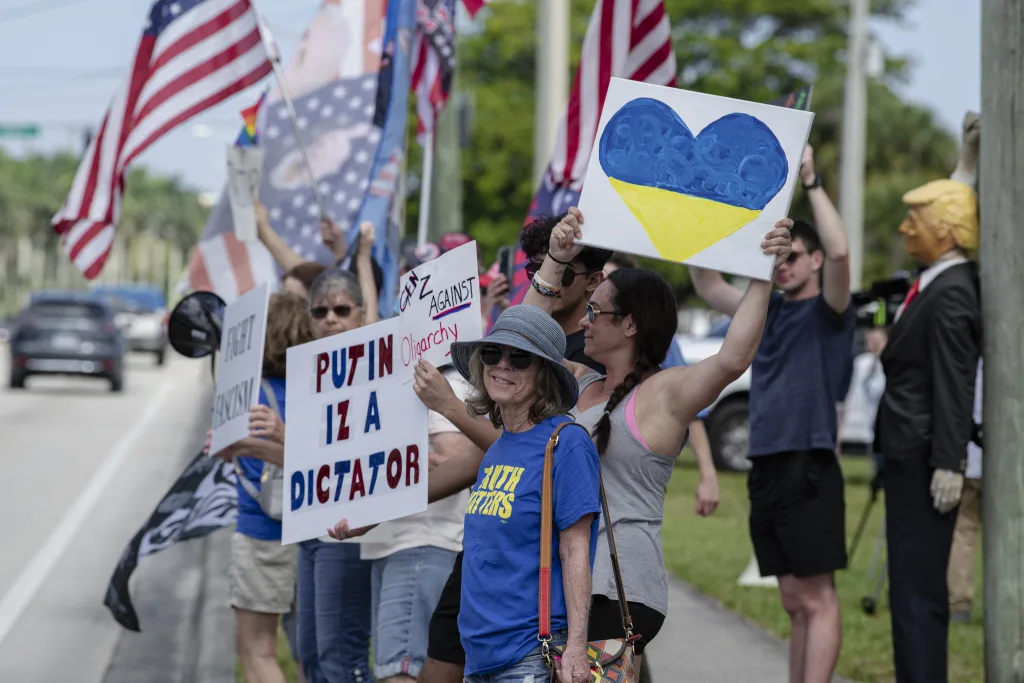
320, 312
568, 275
517, 358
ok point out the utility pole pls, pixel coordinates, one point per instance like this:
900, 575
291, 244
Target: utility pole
854, 142
1002, 260
552, 79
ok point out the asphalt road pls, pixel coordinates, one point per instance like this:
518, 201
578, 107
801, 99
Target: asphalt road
82, 468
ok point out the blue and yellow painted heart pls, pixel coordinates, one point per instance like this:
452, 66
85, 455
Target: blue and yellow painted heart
690, 191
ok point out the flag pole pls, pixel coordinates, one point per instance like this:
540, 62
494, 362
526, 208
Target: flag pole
275, 63
425, 188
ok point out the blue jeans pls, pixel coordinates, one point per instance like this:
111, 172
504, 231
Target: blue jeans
333, 613
529, 669
406, 587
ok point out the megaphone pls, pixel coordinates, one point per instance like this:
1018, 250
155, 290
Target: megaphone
194, 326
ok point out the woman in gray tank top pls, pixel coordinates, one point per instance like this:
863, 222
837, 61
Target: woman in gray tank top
638, 414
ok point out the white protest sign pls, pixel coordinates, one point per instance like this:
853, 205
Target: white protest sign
692, 178
356, 442
244, 164
439, 303
239, 367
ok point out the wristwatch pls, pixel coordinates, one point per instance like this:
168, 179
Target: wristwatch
817, 182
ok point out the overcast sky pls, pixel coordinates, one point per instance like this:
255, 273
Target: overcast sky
59, 68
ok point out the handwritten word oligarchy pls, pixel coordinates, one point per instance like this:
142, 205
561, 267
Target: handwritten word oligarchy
413, 348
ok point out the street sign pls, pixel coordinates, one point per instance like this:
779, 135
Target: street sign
19, 130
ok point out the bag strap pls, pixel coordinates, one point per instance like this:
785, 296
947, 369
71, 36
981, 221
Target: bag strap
547, 525
268, 391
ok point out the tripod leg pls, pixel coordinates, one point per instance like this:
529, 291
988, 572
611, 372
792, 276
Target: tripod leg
860, 529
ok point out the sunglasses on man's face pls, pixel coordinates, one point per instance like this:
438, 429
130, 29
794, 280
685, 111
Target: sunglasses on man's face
794, 256
517, 358
320, 312
568, 275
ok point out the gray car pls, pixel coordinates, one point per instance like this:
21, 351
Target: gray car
66, 334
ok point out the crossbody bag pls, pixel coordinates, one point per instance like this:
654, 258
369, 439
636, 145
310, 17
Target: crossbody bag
270, 495
611, 661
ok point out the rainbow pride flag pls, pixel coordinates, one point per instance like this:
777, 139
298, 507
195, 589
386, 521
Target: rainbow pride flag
247, 136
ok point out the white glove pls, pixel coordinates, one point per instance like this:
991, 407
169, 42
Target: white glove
947, 487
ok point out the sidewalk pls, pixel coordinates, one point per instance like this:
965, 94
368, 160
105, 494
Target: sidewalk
702, 642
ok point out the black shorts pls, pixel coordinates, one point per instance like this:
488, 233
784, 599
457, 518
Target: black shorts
606, 621
444, 644
797, 513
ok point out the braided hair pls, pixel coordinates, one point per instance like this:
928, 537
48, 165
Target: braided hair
648, 298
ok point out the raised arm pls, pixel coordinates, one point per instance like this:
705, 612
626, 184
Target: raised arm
282, 253
836, 271
967, 166
715, 291
562, 249
676, 395
364, 271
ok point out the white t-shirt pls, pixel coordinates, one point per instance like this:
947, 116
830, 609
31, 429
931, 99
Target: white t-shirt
441, 525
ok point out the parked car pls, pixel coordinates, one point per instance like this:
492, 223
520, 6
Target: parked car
727, 418
141, 313
66, 334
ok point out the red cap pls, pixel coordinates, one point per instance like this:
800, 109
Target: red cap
452, 240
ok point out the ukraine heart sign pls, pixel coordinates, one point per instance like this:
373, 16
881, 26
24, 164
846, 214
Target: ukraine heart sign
685, 177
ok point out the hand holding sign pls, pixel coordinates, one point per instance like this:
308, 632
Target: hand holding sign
433, 389
562, 246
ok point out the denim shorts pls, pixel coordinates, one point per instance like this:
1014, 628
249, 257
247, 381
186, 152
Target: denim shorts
529, 669
405, 588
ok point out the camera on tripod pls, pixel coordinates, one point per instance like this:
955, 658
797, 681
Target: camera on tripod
877, 306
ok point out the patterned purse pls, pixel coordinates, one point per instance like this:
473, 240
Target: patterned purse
611, 661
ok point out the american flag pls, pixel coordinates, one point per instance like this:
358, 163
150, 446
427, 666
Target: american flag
433, 53
625, 39
193, 54
337, 126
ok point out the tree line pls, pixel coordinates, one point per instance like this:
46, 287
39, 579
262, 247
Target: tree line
748, 49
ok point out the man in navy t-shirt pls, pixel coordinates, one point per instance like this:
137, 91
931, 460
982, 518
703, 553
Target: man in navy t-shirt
797, 511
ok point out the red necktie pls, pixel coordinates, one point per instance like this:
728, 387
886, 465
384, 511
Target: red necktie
911, 294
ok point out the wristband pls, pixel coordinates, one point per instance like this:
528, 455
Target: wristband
543, 288
562, 263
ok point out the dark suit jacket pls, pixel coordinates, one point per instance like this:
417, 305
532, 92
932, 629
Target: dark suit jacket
931, 364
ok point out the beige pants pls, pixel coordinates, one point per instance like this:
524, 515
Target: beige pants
965, 548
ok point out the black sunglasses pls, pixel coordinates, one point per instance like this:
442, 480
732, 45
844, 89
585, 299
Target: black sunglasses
320, 312
594, 311
568, 275
517, 358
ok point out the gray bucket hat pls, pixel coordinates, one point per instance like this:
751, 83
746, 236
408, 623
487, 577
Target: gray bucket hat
529, 329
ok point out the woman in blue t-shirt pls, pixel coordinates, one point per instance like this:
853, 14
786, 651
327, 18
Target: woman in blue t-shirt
520, 384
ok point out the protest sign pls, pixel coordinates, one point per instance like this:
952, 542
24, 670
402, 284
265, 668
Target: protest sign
239, 367
356, 443
704, 198
244, 164
439, 303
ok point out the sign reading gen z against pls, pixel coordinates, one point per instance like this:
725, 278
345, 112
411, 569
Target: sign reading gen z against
356, 440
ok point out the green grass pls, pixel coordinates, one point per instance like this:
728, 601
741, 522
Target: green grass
711, 553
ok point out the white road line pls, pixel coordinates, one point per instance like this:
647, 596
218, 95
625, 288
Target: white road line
31, 579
